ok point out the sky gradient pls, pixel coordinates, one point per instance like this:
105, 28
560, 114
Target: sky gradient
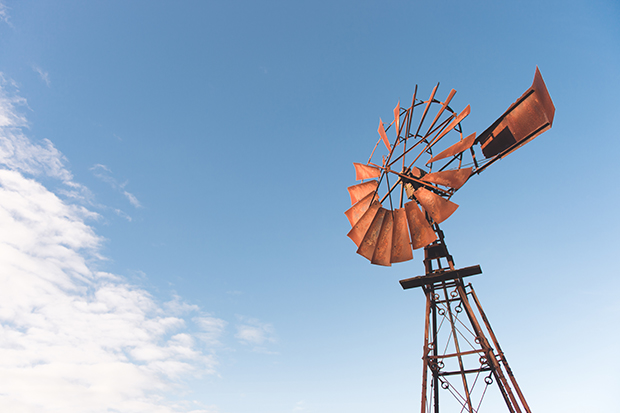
173, 181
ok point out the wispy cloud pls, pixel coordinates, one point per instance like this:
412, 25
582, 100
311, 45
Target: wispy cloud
45, 77
300, 406
254, 332
4, 14
19, 153
105, 174
74, 339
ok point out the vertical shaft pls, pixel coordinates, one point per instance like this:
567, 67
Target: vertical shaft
426, 349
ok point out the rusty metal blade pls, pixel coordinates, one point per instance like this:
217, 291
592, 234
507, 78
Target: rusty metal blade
369, 242
428, 105
441, 110
366, 171
361, 226
384, 138
455, 149
359, 191
437, 207
358, 210
383, 251
453, 124
397, 117
453, 179
401, 246
531, 115
420, 230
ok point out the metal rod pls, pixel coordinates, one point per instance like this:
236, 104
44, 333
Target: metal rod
425, 355
435, 344
499, 350
458, 350
423, 139
509, 398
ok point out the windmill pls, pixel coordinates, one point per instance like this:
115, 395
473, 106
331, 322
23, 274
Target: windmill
397, 208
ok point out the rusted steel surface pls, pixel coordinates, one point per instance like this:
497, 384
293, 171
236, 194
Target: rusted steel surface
361, 226
420, 231
369, 242
384, 138
453, 124
397, 116
454, 179
422, 280
437, 207
401, 247
528, 117
366, 171
358, 210
455, 149
430, 180
359, 191
383, 251
440, 112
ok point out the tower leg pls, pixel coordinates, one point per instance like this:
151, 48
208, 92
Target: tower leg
458, 355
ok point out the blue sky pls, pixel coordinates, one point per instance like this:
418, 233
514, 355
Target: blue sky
173, 179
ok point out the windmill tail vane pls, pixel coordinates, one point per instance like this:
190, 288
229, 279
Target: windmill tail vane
400, 199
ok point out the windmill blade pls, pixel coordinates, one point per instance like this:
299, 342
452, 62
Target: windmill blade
383, 251
366, 171
360, 228
401, 247
437, 207
428, 105
358, 210
369, 242
531, 115
453, 179
397, 118
455, 149
359, 191
452, 124
420, 230
384, 138
441, 110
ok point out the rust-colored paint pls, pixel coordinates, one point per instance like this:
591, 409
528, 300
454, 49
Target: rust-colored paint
361, 226
454, 178
401, 245
383, 251
397, 117
384, 138
369, 242
420, 230
437, 207
453, 124
455, 149
531, 115
359, 191
358, 210
366, 171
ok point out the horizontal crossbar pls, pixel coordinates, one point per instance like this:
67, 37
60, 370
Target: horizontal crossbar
442, 276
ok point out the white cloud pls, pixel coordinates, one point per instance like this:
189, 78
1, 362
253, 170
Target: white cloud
45, 77
73, 339
105, 174
255, 332
4, 15
300, 406
20, 154
211, 328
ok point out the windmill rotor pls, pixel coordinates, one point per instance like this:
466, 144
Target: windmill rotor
408, 190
